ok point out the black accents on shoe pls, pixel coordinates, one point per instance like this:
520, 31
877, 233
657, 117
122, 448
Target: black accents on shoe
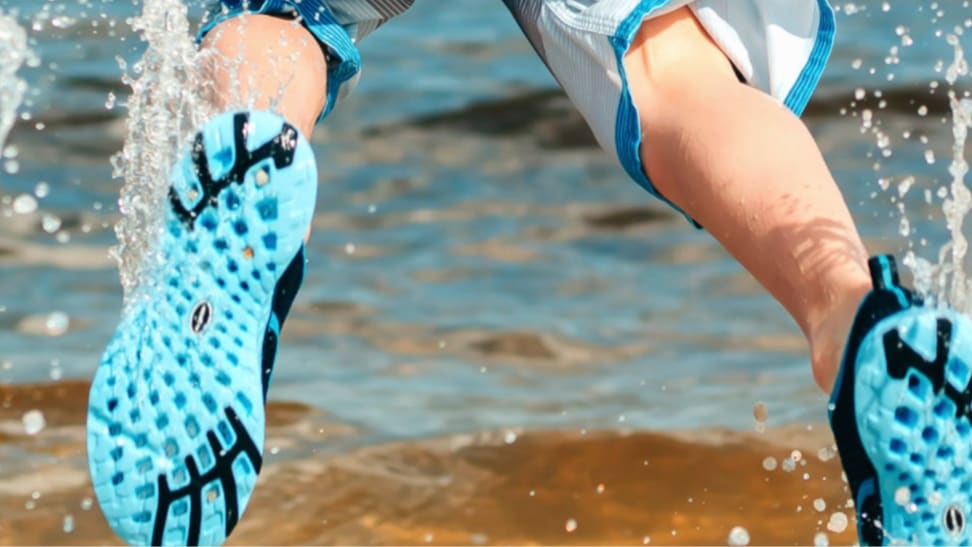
269, 355
869, 512
884, 272
280, 149
902, 358
885, 300
222, 470
283, 298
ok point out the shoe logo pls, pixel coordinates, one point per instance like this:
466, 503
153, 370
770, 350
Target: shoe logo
954, 520
201, 314
901, 357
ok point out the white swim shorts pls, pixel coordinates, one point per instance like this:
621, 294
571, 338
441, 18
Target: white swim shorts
777, 46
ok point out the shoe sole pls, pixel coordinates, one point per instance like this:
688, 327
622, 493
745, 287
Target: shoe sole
911, 400
176, 410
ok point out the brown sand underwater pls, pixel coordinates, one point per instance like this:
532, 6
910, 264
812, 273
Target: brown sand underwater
489, 488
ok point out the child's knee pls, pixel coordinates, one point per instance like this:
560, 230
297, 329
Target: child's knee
261, 60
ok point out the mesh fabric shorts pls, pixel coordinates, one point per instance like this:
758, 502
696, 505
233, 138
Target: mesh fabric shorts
778, 46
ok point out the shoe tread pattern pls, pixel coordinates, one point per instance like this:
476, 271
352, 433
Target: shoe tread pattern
176, 414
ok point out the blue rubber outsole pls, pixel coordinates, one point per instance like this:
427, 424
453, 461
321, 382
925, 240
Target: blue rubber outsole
911, 400
176, 411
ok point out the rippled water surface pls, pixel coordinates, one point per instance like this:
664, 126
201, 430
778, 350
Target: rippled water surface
477, 262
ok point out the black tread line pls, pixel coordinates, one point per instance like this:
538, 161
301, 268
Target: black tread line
222, 469
195, 502
902, 357
280, 148
229, 487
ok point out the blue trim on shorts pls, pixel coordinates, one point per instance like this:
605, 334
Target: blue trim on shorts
799, 95
627, 127
345, 61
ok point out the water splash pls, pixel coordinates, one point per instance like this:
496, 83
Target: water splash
167, 105
13, 54
946, 281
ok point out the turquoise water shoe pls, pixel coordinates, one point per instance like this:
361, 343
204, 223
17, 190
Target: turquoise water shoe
900, 415
176, 412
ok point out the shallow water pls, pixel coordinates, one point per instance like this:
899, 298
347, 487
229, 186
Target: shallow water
477, 264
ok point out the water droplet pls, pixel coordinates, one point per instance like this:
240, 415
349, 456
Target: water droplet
110, 101
837, 522
902, 496
600, 488
570, 525
50, 223
510, 437
429, 537
262, 177
922, 110
788, 465
820, 505
859, 93
68, 524
905, 185
738, 536
33, 422
760, 412
24, 204
86, 504
826, 453
349, 248
769, 463
646, 540
42, 190
57, 323
929, 156
63, 21
883, 140
820, 540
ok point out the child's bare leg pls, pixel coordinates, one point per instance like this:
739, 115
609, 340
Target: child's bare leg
748, 170
263, 61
